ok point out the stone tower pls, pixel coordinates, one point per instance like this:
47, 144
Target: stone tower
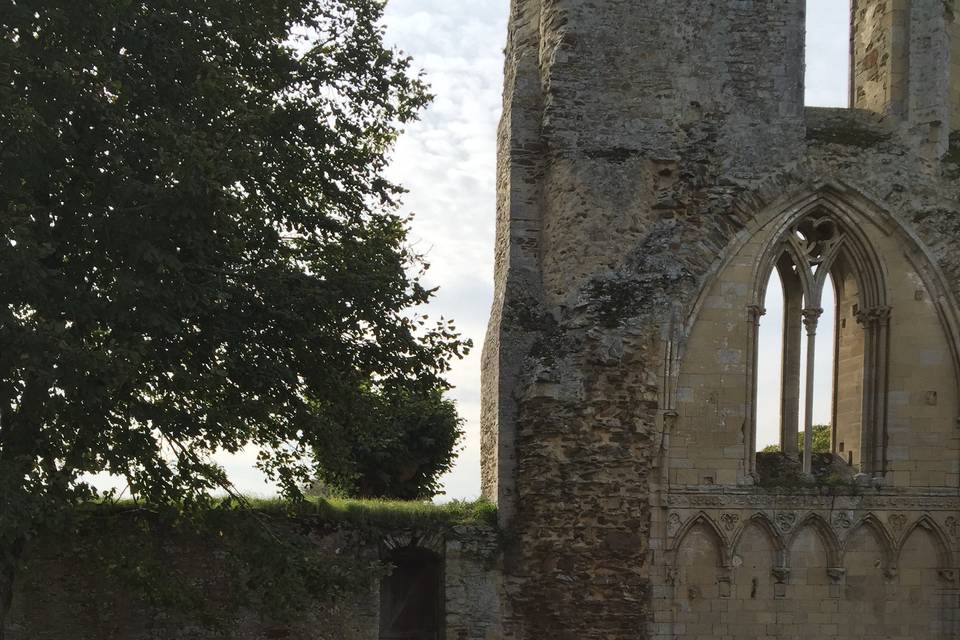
656, 166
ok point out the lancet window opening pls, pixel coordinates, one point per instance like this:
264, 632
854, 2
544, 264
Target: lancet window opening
811, 252
781, 363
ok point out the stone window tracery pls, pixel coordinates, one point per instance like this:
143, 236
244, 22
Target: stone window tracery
813, 250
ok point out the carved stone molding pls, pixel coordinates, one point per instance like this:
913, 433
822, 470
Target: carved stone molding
842, 520
673, 524
786, 521
812, 501
952, 526
897, 522
730, 521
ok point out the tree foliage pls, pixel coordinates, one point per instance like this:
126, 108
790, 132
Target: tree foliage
822, 440
397, 445
200, 252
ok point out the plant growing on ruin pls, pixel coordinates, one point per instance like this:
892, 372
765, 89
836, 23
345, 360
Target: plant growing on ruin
200, 251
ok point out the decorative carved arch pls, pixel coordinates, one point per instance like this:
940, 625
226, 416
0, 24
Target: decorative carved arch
761, 206
945, 555
786, 197
880, 533
719, 539
762, 522
868, 267
826, 534
805, 245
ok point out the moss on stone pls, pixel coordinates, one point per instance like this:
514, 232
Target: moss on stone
776, 469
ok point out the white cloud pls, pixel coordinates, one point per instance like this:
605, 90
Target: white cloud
447, 162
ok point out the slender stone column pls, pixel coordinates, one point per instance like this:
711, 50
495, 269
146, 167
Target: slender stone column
882, 315
790, 369
876, 325
754, 313
810, 319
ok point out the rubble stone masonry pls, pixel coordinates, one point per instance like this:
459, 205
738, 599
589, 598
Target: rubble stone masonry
656, 162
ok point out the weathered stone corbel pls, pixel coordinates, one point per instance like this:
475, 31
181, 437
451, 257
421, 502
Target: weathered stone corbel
781, 576
837, 577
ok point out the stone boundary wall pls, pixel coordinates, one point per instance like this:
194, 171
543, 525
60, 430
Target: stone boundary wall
65, 594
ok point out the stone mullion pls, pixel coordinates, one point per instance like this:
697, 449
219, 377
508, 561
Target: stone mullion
810, 319
790, 370
882, 320
754, 313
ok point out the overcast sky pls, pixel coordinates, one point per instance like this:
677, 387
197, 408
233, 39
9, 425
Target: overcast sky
447, 163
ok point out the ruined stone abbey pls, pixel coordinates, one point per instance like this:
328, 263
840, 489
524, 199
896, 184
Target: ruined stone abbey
657, 171
657, 165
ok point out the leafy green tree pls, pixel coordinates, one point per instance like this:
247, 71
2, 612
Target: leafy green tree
397, 444
200, 252
822, 440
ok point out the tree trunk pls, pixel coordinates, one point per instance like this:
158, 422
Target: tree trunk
9, 558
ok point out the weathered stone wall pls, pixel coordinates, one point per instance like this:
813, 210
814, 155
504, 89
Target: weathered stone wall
881, 55
906, 63
955, 67
62, 594
643, 143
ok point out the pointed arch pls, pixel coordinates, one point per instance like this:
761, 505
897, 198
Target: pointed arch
762, 522
945, 555
813, 242
788, 194
869, 267
702, 519
888, 547
824, 532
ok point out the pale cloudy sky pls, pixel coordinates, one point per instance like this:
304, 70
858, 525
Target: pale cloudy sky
447, 162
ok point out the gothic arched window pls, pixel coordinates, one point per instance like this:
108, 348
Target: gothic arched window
813, 253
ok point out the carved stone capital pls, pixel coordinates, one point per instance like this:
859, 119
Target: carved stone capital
754, 313
874, 316
811, 317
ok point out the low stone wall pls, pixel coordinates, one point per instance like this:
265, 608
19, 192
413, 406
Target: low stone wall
67, 590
